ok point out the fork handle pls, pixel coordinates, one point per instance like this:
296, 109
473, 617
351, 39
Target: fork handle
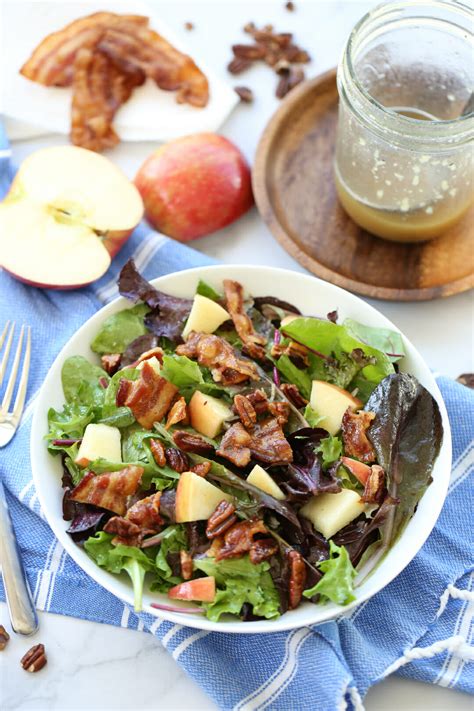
20, 604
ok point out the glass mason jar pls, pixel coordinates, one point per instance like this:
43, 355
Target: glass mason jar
404, 153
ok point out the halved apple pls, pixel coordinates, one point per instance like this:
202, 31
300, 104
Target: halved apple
330, 512
196, 498
205, 317
208, 414
360, 470
68, 212
330, 402
99, 442
262, 480
200, 590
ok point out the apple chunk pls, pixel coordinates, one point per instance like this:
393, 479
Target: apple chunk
330, 512
208, 414
196, 498
99, 442
66, 215
200, 590
360, 470
331, 402
262, 480
205, 317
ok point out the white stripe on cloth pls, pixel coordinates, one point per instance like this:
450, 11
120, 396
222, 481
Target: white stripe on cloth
462, 467
170, 634
48, 575
273, 687
182, 646
455, 645
453, 663
125, 617
25, 490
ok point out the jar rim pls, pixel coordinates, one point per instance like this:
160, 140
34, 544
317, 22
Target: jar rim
378, 12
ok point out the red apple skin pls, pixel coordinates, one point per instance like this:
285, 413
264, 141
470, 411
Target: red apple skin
360, 470
200, 590
195, 185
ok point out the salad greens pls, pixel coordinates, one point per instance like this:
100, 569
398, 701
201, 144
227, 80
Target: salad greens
240, 533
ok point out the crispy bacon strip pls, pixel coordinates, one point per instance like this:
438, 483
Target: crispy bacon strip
253, 341
217, 354
150, 397
99, 89
109, 490
125, 532
266, 442
141, 519
52, 62
374, 486
354, 435
239, 539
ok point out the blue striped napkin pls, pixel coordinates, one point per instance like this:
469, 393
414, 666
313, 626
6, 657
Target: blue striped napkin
419, 626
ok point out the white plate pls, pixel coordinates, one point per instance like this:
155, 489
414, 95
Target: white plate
312, 296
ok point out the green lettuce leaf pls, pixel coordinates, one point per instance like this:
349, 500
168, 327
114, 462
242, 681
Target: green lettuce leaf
188, 376
205, 289
294, 375
81, 382
337, 583
120, 329
132, 560
239, 581
312, 417
384, 339
136, 450
68, 423
173, 540
330, 448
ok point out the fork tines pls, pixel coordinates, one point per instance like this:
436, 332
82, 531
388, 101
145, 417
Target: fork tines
7, 338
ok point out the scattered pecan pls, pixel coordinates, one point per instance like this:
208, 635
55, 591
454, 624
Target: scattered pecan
239, 539
191, 442
189, 26
111, 362
244, 93
4, 637
262, 549
290, 6
466, 379
354, 435
374, 486
248, 51
291, 391
245, 411
201, 469
186, 562
123, 390
253, 341
259, 401
249, 28
34, 659
289, 80
238, 65
217, 354
221, 520
177, 460
158, 451
297, 578
178, 413
280, 410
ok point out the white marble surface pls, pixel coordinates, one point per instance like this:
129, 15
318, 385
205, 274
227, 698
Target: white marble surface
92, 666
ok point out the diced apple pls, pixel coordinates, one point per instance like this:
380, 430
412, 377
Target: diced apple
262, 480
153, 361
360, 470
196, 498
288, 319
206, 316
330, 512
208, 414
99, 442
330, 402
200, 590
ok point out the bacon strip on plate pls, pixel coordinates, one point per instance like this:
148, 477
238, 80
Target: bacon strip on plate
354, 435
217, 354
141, 519
150, 397
252, 341
109, 490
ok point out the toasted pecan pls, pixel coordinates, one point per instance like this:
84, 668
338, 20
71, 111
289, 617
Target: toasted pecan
297, 578
221, 519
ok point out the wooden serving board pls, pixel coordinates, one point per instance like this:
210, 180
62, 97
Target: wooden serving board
295, 194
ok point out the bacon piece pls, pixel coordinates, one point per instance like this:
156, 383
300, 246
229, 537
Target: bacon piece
123, 391
109, 490
111, 362
144, 49
354, 435
178, 413
146, 355
295, 352
266, 442
217, 354
52, 62
99, 89
125, 532
239, 539
374, 486
253, 341
141, 519
150, 397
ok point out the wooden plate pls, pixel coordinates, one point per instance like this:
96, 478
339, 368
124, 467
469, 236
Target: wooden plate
295, 194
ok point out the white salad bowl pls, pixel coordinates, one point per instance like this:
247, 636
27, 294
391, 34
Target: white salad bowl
313, 297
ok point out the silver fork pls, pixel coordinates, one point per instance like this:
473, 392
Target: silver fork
20, 604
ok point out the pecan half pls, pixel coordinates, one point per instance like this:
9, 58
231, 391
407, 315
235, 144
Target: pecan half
177, 460
158, 451
291, 392
4, 637
186, 562
244, 93
201, 469
293, 76
111, 362
178, 413
280, 410
238, 65
297, 578
125, 532
245, 411
192, 443
262, 549
34, 659
248, 51
221, 520
259, 401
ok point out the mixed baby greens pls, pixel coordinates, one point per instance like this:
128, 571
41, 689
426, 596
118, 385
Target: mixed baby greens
261, 461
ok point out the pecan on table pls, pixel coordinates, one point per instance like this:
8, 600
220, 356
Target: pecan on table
291, 392
191, 442
354, 435
245, 411
111, 362
249, 51
221, 520
238, 65
4, 637
177, 460
289, 79
158, 451
34, 659
297, 578
244, 93
186, 562
201, 469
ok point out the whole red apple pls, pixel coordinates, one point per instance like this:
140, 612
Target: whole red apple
194, 186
